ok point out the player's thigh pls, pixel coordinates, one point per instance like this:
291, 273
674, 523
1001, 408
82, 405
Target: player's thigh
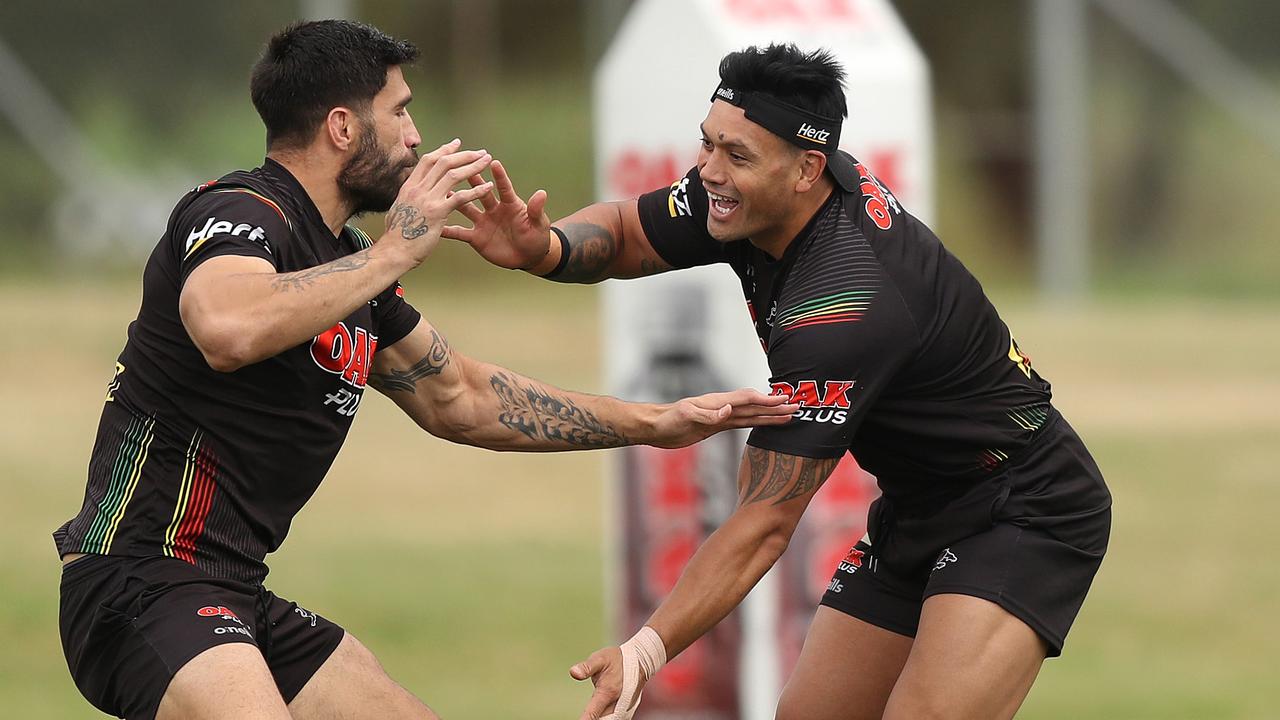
846, 670
352, 685
971, 659
226, 682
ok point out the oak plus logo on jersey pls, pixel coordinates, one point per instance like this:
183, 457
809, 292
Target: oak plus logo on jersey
826, 404
214, 226
348, 355
881, 205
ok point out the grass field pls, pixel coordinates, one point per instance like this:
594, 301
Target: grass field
476, 576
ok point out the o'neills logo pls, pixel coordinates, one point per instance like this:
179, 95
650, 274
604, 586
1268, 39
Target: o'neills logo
726, 93
811, 133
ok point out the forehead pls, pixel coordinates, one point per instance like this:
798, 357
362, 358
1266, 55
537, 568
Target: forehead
395, 90
729, 123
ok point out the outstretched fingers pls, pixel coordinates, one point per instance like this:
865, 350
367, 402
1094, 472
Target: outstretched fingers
428, 161
463, 198
453, 168
488, 201
501, 180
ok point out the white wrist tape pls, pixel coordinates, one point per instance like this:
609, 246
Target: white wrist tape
642, 657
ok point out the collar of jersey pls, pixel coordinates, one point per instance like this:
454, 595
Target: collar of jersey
295, 192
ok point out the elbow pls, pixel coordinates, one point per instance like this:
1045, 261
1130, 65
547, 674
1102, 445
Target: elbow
451, 429
775, 543
226, 355
225, 345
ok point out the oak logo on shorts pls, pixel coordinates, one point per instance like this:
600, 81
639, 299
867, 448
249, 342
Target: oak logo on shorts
221, 611
345, 353
828, 404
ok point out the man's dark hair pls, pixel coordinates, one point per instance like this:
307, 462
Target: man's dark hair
810, 81
309, 68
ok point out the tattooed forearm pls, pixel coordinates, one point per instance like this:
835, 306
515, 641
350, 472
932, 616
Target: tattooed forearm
411, 223
303, 279
534, 412
771, 473
591, 249
433, 363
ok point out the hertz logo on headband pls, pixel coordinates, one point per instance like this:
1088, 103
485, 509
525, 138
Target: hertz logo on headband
809, 132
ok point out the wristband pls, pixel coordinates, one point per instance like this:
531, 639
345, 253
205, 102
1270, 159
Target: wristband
642, 657
564, 253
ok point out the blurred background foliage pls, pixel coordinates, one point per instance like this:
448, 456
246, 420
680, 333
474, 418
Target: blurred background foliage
1181, 194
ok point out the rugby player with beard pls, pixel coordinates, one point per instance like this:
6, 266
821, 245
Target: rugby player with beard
263, 318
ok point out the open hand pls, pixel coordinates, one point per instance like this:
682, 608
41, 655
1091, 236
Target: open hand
506, 230
416, 219
697, 418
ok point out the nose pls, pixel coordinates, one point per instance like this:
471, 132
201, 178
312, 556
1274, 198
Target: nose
711, 167
411, 137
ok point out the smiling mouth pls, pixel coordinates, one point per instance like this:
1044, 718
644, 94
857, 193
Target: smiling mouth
721, 206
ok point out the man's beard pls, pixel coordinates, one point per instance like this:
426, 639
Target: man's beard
370, 180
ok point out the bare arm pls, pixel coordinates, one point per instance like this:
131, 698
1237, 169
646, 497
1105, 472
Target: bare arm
457, 398
238, 310
773, 491
605, 240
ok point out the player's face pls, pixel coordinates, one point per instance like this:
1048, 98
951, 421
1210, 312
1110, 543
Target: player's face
749, 175
385, 154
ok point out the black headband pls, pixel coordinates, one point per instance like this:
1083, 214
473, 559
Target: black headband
795, 125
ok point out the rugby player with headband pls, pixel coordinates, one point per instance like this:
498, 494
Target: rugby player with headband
993, 517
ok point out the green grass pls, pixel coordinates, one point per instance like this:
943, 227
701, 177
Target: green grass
476, 576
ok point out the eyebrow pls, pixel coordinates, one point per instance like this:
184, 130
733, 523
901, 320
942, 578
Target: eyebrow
408, 99
732, 144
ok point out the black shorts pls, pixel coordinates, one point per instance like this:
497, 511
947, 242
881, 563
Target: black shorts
1030, 540
128, 626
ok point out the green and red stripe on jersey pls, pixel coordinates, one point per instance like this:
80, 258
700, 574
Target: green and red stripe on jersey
125, 473
195, 498
841, 307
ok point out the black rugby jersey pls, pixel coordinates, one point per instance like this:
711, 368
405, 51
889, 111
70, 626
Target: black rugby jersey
881, 335
210, 467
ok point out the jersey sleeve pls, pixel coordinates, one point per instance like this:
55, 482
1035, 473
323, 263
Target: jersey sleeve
675, 221
393, 316
835, 367
228, 221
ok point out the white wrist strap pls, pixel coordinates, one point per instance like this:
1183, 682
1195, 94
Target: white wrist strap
642, 657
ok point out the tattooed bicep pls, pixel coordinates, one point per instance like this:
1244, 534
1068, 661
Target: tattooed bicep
779, 477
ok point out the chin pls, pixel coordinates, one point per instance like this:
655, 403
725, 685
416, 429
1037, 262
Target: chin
721, 233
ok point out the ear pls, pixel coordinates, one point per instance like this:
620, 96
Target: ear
812, 165
340, 128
